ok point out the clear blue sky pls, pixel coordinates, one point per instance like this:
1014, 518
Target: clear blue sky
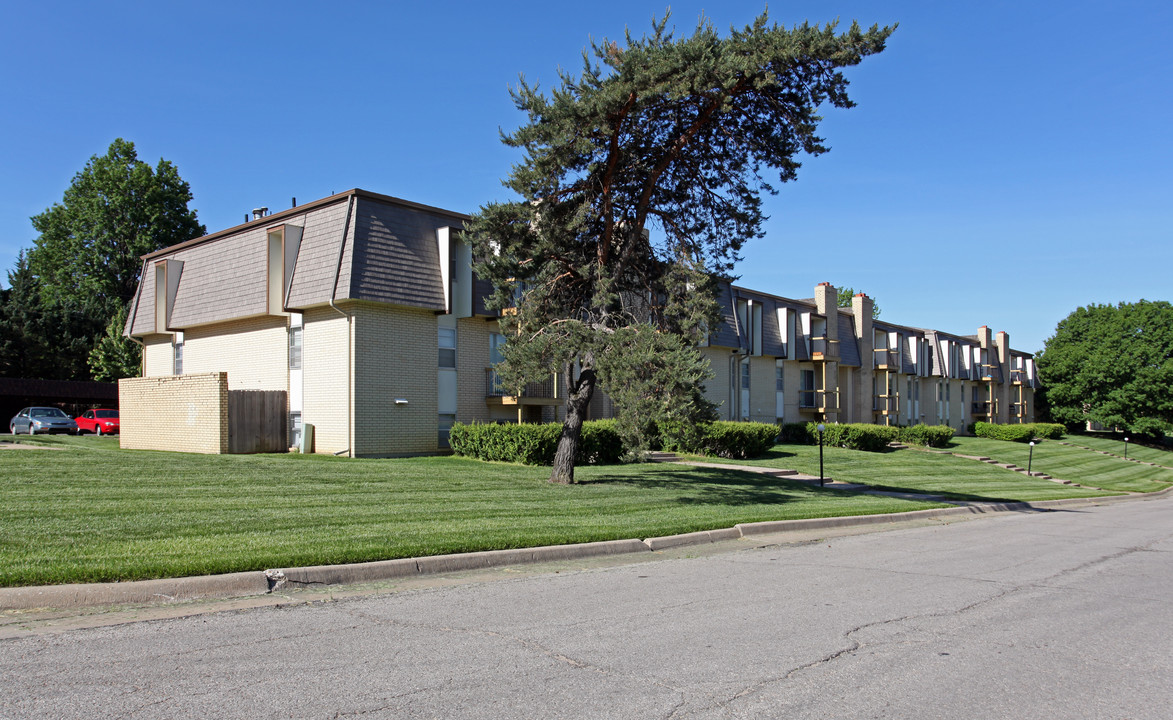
1008, 161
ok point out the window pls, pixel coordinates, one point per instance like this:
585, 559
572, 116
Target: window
295, 348
779, 395
177, 354
447, 347
745, 389
806, 394
295, 429
444, 426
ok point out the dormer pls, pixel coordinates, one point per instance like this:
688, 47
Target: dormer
167, 274
749, 319
284, 243
455, 271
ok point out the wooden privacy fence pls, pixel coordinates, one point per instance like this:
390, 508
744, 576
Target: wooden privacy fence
257, 421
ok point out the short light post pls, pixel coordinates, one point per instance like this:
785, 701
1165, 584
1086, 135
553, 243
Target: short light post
1125, 448
822, 427
1030, 458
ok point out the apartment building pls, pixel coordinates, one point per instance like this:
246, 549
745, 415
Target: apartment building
363, 310
782, 359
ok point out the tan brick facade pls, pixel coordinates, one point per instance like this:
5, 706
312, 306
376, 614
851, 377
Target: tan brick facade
395, 359
327, 384
188, 413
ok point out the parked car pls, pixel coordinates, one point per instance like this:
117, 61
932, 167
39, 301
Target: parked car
99, 421
33, 420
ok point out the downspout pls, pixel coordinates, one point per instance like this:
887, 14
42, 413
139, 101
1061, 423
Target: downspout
349, 331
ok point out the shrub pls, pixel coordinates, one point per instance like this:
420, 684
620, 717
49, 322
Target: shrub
722, 438
1018, 433
797, 433
737, 439
1149, 429
530, 444
853, 436
859, 436
936, 436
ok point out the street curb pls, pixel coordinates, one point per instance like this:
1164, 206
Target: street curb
262, 582
135, 592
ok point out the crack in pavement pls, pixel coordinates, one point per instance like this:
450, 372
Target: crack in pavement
524, 643
856, 644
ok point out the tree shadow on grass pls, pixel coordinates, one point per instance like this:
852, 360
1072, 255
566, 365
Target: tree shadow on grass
715, 486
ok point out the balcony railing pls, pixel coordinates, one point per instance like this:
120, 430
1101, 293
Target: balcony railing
547, 388
886, 358
824, 347
818, 400
1019, 377
886, 404
980, 408
1018, 410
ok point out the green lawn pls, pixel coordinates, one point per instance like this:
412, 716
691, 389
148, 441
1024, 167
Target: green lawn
1072, 463
1107, 444
923, 472
92, 512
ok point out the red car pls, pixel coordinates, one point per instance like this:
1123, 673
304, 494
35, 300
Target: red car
98, 421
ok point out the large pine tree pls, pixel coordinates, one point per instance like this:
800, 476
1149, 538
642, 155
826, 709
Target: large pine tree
641, 179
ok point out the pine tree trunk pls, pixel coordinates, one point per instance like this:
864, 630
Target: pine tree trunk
577, 400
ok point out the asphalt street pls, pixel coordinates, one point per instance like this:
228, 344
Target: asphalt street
1062, 614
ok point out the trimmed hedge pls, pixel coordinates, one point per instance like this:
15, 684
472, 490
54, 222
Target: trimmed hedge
853, 436
532, 444
936, 436
724, 438
865, 436
1018, 433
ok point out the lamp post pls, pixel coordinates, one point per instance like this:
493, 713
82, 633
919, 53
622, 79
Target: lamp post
822, 427
1125, 448
1030, 458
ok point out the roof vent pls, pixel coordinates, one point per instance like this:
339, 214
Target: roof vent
260, 212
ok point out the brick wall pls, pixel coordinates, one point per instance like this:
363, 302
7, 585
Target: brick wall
472, 360
395, 357
325, 381
188, 413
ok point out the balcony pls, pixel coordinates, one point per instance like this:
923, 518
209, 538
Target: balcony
1019, 377
543, 392
886, 404
818, 401
886, 359
824, 349
1018, 410
987, 372
980, 408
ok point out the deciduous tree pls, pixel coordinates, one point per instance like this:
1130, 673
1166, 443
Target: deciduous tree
641, 179
1112, 364
86, 259
847, 293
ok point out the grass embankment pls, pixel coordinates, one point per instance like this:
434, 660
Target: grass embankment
925, 472
1072, 463
1115, 445
92, 512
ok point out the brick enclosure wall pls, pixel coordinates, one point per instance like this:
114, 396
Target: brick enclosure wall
188, 413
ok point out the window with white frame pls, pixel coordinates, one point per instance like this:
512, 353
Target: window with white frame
447, 341
177, 354
295, 348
